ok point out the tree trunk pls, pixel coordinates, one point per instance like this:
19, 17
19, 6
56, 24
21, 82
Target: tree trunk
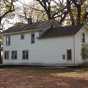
79, 14
70, 12
0, 54
0, 21
0, 44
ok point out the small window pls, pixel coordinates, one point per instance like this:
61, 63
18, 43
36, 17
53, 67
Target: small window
25, 55
14, 55
69, 54
83, 37
8, 40
32, 38
63, 56
22, 36
6, 55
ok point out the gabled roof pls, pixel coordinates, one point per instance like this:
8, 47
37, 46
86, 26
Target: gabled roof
47, 31
21, 27
27, 27
61, 31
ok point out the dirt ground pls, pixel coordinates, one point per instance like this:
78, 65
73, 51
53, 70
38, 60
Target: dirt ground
43, 78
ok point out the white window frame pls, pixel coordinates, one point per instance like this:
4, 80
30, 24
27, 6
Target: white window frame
25, 54
6, 54
14, 55
8, 40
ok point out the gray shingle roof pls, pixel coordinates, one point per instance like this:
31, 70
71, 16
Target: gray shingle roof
61, 31
21, 27
25, 27
47, 30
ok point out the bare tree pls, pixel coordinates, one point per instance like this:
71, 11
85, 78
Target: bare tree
6, 7
73, 8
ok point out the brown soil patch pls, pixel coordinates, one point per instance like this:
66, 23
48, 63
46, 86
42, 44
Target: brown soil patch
38, 78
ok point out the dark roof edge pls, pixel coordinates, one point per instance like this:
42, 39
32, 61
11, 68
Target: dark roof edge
25, 31
81, 25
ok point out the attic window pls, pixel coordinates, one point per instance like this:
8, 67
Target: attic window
83, 37
32, 38
22, 36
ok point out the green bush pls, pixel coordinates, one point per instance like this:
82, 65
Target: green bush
84, 53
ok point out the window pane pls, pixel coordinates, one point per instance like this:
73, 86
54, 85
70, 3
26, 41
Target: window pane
6, 54
25, 54
83, 37
32, 38
69, 54
7, 40
63, 56
22, 36
14, 55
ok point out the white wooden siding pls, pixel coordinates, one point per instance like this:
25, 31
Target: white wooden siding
46, 51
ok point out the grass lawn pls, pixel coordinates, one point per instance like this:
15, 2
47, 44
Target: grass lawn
31, 77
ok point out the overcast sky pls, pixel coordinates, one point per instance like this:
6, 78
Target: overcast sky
19, 7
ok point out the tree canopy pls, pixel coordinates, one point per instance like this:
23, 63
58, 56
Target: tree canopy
6, 7
76, 10
71, 11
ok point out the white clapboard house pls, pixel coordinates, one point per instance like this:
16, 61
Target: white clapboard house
45, 44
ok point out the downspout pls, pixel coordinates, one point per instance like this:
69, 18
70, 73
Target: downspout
74, 48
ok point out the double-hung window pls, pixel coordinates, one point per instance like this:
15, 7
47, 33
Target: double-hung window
14, 55
25, 55
8, 40
32, 38
6, 55
69, 54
